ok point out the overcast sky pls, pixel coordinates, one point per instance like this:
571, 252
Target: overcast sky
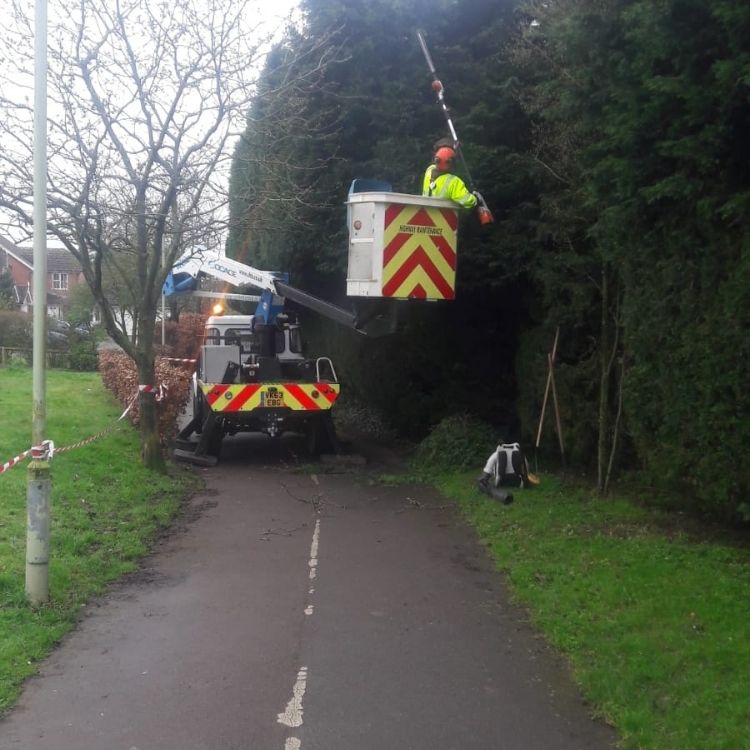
273, 13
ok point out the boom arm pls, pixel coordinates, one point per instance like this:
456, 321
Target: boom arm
274, 286
184, 275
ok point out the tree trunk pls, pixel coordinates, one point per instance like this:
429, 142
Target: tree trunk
151, 453
604, 377
615, 427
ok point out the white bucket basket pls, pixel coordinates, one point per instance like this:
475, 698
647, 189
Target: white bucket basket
401, 246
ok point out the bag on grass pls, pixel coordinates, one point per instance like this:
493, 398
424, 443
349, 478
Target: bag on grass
512, 467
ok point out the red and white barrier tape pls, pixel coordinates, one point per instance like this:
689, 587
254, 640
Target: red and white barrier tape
15, 460
45, 450
88, 440
179, 359
159, 390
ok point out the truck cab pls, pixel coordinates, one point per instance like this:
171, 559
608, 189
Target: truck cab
252, 376
244, 349
242, 331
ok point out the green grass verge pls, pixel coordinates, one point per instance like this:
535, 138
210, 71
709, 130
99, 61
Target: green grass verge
106, 508
653, 619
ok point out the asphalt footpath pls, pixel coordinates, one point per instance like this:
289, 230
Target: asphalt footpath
297, 607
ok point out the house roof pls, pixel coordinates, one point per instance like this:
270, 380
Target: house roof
57, 259
15, 251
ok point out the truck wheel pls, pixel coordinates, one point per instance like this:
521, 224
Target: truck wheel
330, 443
216, 440
313, 438
321, 436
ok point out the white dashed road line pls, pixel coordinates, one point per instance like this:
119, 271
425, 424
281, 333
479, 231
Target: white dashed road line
314, 551
292, 715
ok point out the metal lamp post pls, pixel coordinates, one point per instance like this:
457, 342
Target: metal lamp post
39, 484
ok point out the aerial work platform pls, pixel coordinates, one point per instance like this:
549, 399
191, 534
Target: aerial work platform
401, 246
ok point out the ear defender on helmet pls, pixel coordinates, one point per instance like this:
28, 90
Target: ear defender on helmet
444, 158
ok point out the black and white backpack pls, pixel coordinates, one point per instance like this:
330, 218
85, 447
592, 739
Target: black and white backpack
512, 467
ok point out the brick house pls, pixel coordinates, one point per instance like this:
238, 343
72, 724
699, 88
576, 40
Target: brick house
63, 274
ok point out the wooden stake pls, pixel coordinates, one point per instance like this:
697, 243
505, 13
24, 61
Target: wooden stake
550, 362
557, 408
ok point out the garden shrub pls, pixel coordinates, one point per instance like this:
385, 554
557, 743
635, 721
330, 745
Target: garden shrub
188, 335
16, 329
82, 354
183, 337
457, 443
120, 376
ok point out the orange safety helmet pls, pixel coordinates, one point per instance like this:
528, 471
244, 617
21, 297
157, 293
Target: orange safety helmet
444, 158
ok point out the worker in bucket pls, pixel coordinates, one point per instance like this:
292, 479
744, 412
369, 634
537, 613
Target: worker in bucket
439, 180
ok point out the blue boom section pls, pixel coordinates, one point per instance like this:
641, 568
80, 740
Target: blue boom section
269, 307
179, 282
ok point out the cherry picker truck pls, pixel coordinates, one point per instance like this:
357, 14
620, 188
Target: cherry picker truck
252, 374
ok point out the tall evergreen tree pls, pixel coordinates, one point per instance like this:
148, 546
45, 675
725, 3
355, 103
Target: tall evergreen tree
610, 140
376, 117
671, 181
652, 101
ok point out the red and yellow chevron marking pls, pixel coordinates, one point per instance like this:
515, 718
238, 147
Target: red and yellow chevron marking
419, 252
229, 398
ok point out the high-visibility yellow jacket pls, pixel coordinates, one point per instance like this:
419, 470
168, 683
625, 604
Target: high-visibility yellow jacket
448, 187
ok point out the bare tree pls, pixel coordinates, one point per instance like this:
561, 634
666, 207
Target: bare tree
145, 97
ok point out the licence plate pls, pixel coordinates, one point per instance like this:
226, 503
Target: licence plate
273, 400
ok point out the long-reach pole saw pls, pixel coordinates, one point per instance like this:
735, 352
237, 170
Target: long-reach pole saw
485, 215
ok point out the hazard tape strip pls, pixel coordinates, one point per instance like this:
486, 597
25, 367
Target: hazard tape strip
15, 460
38, 452
159, 390
88, 440
47, 449
179, 359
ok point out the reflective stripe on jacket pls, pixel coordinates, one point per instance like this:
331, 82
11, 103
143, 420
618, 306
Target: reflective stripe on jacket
448, 187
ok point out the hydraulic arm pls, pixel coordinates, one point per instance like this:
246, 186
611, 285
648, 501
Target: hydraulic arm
370, 319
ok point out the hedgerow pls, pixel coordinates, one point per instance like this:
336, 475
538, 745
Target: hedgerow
120, 375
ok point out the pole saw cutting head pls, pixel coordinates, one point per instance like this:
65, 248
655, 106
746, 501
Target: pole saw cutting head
483, 212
